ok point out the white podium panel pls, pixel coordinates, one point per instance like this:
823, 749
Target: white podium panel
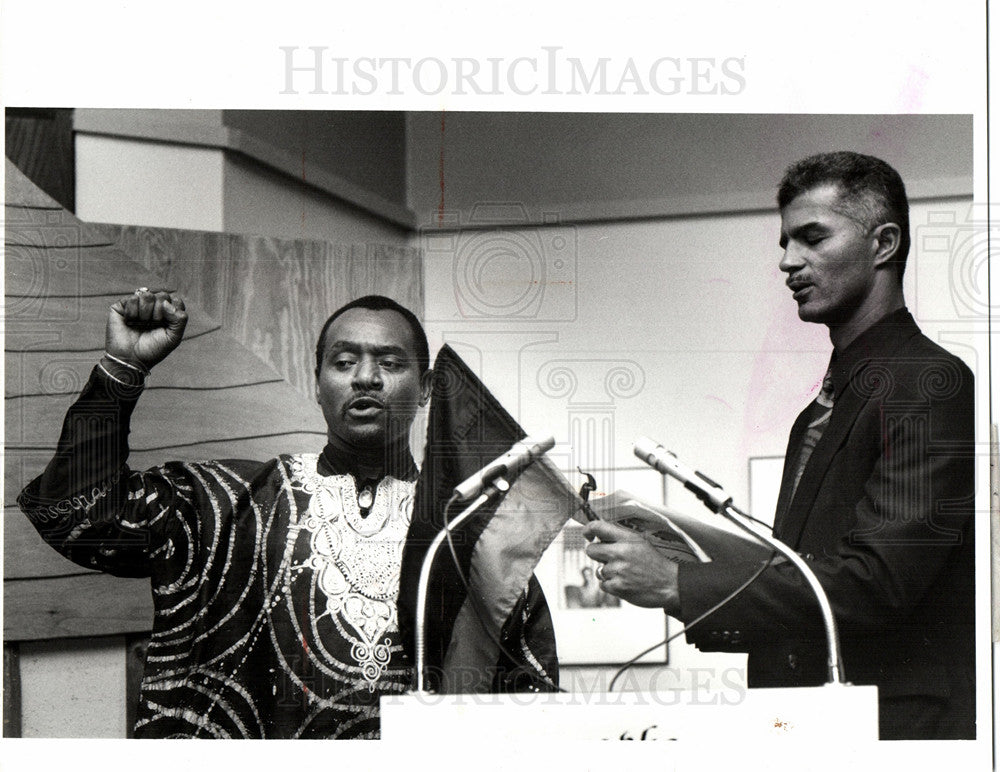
849, 713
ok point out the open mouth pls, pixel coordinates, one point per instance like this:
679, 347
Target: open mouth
365, 406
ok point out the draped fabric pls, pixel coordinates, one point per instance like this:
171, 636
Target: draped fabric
497, 634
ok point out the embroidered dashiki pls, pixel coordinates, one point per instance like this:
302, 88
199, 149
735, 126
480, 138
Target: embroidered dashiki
274, 597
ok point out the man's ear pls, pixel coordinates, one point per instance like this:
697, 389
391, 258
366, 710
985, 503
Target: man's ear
426, 386
887, 240
316, 385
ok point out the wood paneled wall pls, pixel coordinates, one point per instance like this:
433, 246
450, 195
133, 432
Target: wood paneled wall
272, 295
240, 385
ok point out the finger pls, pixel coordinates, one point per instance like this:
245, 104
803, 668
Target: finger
606, 532
175, 316
602, 552
609, 583
146, 305
173, 308
130, 307
160, 313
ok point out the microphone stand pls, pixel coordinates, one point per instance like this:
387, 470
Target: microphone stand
716, 499
496, 489
835, 668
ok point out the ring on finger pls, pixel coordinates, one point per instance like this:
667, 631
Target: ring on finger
600, 573
140, 290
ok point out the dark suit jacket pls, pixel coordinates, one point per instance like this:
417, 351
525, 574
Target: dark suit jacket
884, 515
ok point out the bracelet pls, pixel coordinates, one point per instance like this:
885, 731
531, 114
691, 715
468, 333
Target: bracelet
117, 380
138, 368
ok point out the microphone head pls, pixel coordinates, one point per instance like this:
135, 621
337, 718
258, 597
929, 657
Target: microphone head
645, 448
539, 445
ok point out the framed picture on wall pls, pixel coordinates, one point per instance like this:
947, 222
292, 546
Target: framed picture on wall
591, 626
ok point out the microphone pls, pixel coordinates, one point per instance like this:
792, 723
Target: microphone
665, 462
510, 464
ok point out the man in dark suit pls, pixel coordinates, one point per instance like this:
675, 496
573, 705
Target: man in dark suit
878, 484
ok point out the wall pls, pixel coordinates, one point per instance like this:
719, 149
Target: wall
600, 166
257, 199
73, 688
313, 175
148, 183
367, 149
40, 141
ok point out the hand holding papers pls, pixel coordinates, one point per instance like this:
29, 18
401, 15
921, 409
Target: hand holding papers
675, 535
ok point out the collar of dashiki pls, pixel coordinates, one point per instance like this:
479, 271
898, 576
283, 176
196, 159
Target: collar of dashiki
394, 460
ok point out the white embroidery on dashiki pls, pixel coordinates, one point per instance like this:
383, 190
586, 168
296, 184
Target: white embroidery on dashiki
357, 560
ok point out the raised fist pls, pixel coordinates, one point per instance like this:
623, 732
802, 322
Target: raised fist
145, 327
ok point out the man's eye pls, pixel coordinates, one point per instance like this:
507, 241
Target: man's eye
392, 364
343, 364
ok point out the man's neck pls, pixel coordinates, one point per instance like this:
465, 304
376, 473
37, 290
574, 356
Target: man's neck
843, 334
368, 462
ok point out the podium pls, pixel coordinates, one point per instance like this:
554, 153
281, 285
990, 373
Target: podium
807, 713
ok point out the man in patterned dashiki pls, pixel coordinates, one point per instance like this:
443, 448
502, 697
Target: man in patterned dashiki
274, 583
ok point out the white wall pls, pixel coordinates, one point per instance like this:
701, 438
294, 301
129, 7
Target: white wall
73, 688
285, 175
137, 182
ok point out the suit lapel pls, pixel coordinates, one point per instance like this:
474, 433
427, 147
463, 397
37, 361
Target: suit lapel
845, 413
880, 341
788, 472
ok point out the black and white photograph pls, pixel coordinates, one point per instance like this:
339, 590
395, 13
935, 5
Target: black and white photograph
453, 391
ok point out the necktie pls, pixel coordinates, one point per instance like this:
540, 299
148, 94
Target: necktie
819, 417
